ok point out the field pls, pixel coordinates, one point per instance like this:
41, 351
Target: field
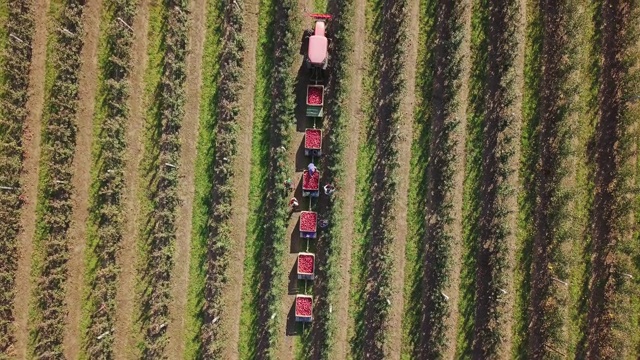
476, 191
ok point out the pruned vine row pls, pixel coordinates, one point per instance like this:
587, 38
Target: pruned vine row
160, 228
218, 226
108, 182
55, 189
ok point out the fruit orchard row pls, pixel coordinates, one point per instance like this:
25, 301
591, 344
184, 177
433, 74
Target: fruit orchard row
445, 135
54, 202
613, 298
108, 182
499, 140
15, 66
160, 229
276, 217
548, 314
218, 225
389, 61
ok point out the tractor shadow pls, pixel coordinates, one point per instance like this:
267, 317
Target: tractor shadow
301, 159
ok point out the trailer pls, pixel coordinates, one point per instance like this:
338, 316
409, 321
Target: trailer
306, 266
313, 142
304, 308
315, 100
308, 224
311, 184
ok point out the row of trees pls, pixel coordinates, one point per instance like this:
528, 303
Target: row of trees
388, 63
500, 21
613, 288
55, 189
446, 132
552, 54
276, 217
218, 225
106, 220
14, 66
159, 230
330, 240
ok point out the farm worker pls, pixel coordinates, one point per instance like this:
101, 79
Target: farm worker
288, 184
293, 203
329, 189
312, 168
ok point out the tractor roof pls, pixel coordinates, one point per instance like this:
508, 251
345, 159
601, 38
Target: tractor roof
318, 44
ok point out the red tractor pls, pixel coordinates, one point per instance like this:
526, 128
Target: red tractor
315, 45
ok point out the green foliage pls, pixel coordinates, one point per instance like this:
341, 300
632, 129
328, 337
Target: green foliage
14, 66
55, 189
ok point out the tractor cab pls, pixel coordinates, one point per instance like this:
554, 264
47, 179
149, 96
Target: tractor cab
317, 44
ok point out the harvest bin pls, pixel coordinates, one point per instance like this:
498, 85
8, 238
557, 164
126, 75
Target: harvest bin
315, 100
306, 266
313, 142
304, 308
308, 222
311, 184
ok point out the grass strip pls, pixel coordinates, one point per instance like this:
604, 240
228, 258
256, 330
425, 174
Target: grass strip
166, 93
203, 202
54, 209
106, 217
259, 161
15, 41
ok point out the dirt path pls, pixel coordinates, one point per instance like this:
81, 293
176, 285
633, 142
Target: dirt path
124, 345
82, 178
515, 181
394, 345
188, 138
297, 161
30, 176
240, 203
354, 109
453, 290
